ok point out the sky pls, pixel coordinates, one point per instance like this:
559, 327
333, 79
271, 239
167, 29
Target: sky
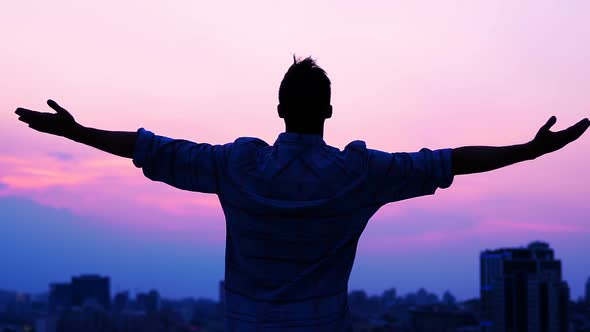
405, 75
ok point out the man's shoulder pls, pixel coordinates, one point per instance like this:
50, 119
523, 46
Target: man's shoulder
356, 145
356, 148
250, 141
243, 146
354, 156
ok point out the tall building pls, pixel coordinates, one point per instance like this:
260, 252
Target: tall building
60, 296
91, 290
222, 295
22, 303
588, 291
522, 290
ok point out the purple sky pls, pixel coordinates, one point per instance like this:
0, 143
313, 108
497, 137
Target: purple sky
405, 75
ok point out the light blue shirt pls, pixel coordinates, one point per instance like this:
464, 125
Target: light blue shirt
294, 213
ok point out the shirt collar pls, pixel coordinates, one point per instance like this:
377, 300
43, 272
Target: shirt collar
297, 138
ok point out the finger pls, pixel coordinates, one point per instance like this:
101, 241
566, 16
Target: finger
26, 120
21, 111
549, 123
580, 125
29, 117
575, 131
33, 123
28, 114
36, 127
56, 107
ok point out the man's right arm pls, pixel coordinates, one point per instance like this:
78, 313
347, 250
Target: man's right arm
180, 163
120, 143
476, 159
62, 123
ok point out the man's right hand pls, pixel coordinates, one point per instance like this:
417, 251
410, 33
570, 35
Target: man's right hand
61, 123
547, 141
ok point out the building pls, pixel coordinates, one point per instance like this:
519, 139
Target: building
148, 302
60, 296
442, 318
5, 298
522, 290
120, 302
222, 296
91, 290
588, 291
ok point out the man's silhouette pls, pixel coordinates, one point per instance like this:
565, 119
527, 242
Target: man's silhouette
295, 209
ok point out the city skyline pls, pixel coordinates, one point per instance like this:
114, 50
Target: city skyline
214, 292
424, 75
521, 288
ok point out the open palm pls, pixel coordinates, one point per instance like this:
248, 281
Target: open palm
59, 123
548, 141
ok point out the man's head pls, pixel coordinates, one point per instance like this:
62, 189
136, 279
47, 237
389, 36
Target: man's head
304, 97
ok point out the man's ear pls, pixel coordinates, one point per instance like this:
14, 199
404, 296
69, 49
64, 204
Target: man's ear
329, 112
281, 111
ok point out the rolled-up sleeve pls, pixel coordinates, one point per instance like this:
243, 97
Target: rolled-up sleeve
180, 163
402, 175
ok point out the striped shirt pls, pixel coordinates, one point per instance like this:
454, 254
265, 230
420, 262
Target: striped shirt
294, 213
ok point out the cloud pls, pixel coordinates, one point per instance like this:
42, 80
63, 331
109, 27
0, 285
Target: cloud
540, 227
62, 156
40, 173
508, 219
87, 187
3, 185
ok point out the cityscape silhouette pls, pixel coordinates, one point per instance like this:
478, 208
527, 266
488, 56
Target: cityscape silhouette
521, 289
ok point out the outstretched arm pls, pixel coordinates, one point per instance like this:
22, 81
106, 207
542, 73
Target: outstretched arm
476, 159
62, 123
180, 163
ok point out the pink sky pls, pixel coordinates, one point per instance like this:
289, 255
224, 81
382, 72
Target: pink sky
405, 75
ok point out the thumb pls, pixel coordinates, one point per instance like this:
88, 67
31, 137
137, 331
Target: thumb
549, 123
60, 110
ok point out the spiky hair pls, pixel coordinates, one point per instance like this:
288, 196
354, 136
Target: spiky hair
305, 84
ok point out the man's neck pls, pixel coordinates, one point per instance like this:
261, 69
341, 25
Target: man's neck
307, 129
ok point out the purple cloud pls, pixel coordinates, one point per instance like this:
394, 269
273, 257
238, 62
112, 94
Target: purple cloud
62, 156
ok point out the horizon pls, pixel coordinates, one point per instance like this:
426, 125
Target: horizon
404, 76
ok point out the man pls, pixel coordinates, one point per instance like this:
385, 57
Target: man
295, 209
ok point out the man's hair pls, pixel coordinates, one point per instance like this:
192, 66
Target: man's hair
305, 86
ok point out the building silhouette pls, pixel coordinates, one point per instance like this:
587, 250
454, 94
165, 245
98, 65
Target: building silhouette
441, 318
587, 297
222, 296
120, 302
60, 296
91, 289
522, 290
149, 301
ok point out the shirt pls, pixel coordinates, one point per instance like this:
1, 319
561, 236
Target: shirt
294, 213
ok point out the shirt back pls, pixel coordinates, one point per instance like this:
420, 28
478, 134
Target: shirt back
294, 212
